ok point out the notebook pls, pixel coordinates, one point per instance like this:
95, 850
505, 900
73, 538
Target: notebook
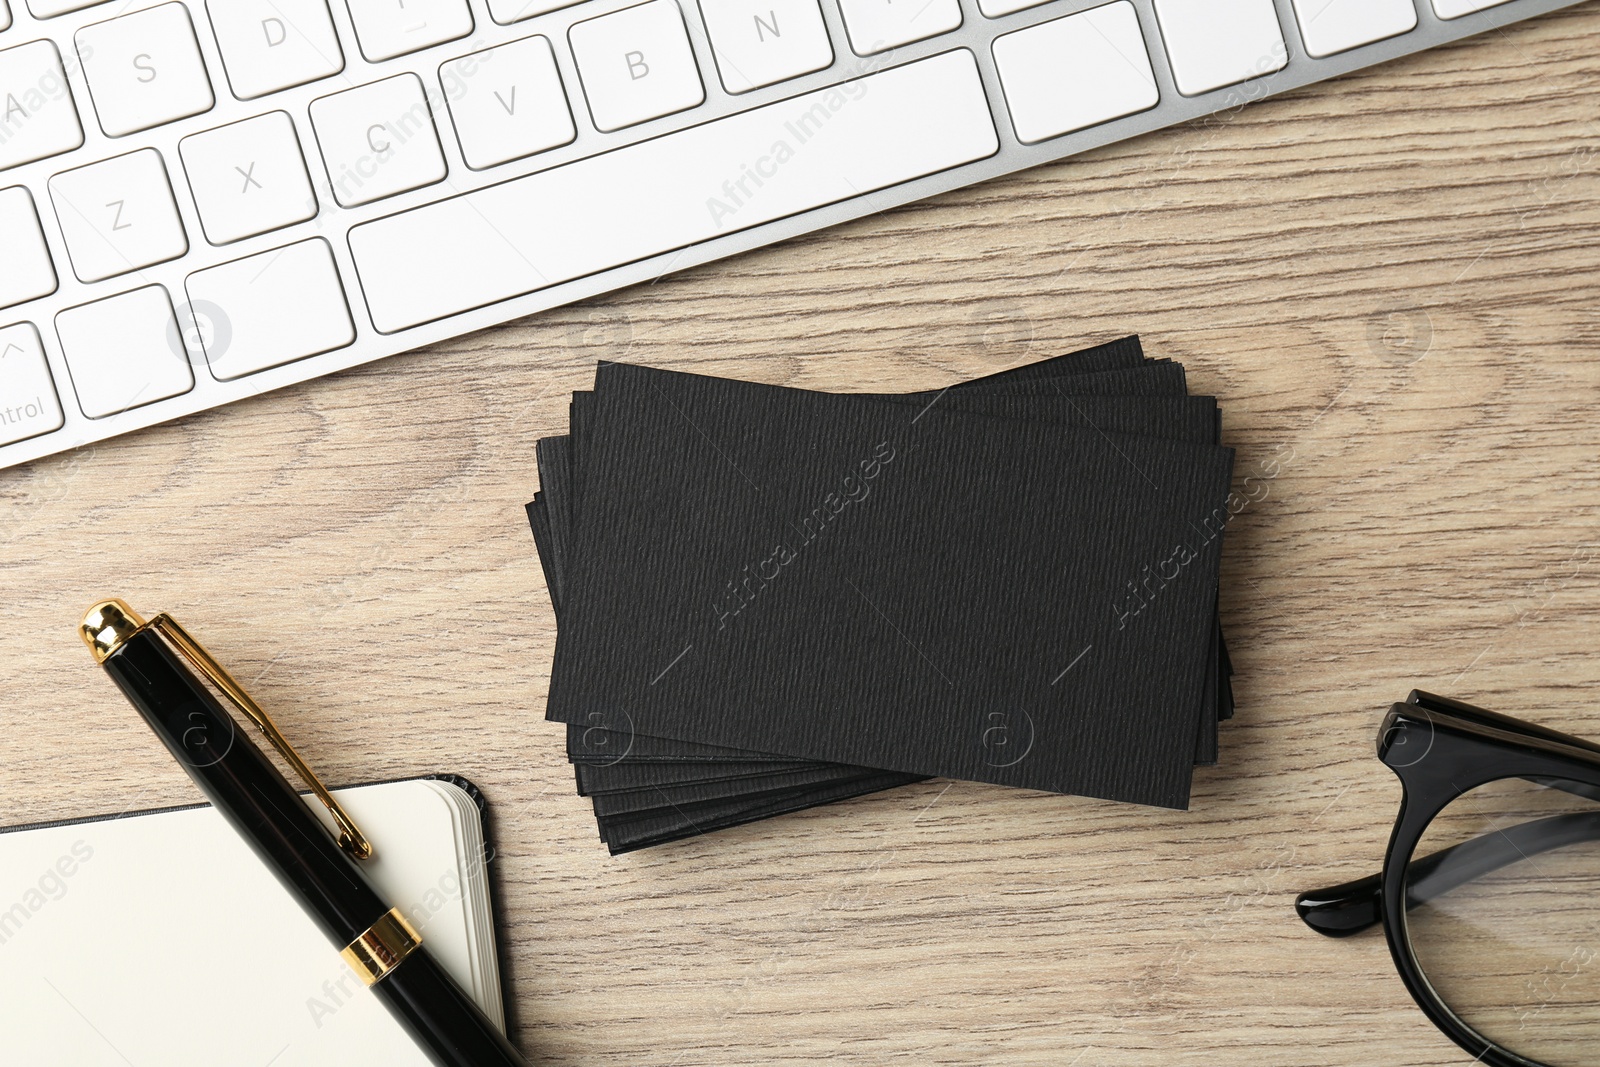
160, 938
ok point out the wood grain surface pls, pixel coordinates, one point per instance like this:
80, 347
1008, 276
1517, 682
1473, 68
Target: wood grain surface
1391, 281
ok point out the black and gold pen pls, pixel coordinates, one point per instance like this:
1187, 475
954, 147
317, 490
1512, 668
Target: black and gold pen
160, 668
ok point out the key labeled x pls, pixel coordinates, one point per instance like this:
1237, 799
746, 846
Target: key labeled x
248, 178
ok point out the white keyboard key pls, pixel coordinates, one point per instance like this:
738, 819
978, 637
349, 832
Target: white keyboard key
1454, 9
270, 309
378, 140
878, 25
270, 45
118, 215
507, 102
389, 28
1075, 72
37, 116
26, 271
1213, 43
29, 405
659, 195
47, 9
762, 42
124, 352
995, 8
144, 69
506, 12
248, 178
5, 16
636, 65
1333, 26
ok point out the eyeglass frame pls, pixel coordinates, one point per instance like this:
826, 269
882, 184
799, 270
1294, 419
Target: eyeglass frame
1462, 748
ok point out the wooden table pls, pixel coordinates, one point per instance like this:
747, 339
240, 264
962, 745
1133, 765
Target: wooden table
1391, 281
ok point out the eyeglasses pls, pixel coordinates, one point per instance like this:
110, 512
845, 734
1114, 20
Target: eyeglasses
1490, 891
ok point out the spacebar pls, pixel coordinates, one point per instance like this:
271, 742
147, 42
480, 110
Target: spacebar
678, 190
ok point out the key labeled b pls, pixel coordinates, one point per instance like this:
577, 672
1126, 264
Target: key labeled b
636, 64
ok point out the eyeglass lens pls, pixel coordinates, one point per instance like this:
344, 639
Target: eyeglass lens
1506, 919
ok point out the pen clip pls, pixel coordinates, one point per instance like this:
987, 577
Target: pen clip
351, 839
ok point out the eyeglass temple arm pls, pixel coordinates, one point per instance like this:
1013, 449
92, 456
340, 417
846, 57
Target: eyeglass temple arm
1433, 703
1350, 908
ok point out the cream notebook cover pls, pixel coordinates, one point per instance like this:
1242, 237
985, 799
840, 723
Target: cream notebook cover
160, 939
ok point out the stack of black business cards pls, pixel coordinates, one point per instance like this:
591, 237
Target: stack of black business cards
770, 599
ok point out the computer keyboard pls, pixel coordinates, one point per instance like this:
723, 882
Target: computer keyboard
202, 201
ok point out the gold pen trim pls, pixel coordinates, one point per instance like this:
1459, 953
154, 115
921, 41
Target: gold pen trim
110, 624
383, 947
107, 626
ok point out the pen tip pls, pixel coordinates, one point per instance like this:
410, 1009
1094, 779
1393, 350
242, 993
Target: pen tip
106, 626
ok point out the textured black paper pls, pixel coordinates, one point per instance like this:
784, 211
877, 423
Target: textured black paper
1104, 418
638, 801
628, 833
625, 777
702, 776
1188, 418
986, 560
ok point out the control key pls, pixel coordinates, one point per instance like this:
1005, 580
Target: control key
28, 402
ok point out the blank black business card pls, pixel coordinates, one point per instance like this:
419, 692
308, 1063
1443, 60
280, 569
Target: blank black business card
1194, 429
1189, 418
666, 781
644, 830
986, 560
